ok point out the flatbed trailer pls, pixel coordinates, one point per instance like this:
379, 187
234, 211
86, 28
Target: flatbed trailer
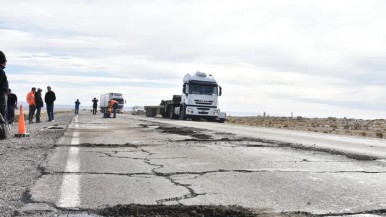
165, 109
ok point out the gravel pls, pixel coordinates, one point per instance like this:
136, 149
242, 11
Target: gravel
20, 159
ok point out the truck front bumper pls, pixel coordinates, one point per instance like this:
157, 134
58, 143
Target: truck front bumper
204, 112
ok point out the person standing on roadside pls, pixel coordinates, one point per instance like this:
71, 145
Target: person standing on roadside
49, 99
3, 86
11, 106
32, 104
39, 104
94, 106
77, 103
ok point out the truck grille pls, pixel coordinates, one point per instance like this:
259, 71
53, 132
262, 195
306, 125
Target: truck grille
203, 111
203, 102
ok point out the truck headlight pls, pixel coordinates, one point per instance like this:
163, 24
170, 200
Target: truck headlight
215, 112
189, 111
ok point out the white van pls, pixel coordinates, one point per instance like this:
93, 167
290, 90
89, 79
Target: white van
138, 110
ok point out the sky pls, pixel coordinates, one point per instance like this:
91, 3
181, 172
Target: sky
312, 58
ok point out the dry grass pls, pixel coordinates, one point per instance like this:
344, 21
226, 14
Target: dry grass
341, 126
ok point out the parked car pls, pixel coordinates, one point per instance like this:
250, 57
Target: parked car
138, 110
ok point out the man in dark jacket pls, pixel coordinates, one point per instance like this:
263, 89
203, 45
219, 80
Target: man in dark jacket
49, 99
11, 106
39, 104
3, 86
94, 106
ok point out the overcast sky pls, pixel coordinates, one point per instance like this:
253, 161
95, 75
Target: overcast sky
315, 58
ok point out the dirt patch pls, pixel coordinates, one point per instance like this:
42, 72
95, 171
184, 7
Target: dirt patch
185, 131
136, 210
175, 211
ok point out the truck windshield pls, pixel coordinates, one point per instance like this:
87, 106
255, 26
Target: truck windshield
202, 89
120, 101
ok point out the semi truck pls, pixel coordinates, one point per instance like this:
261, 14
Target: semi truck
199, 100
104, 101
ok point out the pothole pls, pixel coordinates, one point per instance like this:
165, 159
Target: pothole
54, 127
149, 126
175, 210
185, 132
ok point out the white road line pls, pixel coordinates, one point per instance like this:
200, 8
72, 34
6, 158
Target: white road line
70, 189
69, 193
72, 165
74, 123
75, 138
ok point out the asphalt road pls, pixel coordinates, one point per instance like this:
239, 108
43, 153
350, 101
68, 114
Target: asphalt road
352, 146
101, 163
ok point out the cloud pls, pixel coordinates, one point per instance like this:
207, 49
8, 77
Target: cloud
318, 56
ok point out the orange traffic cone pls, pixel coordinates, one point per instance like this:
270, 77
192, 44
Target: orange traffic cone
22, 129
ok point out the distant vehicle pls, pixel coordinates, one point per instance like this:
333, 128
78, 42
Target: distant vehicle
104, 101
199, 100
138, 110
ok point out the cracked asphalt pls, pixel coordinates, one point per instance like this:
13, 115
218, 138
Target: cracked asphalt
133, 166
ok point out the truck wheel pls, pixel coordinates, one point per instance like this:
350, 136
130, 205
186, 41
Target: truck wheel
182, 113
222, 120
171, 112
154, 112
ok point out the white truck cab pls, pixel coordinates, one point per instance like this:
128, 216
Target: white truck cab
199, 97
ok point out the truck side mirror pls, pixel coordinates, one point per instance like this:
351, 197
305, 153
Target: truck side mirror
220, 91
184, 89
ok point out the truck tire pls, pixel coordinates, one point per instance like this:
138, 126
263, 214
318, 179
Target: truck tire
164, 113
154, 112
171, 112
182, 113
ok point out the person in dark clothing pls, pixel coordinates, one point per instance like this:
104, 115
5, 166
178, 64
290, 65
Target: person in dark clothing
49, 99
77, 103
94, 106
11, 106
3, 86
39, 104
